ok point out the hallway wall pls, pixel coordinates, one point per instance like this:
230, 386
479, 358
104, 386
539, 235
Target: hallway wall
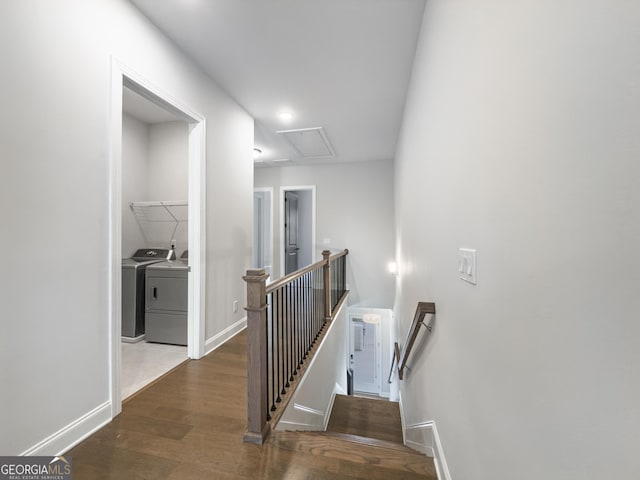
520, 139
54, 197
354, 210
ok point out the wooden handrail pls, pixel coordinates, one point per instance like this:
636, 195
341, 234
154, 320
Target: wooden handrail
299, 273
339, 254
400, 358
285, 320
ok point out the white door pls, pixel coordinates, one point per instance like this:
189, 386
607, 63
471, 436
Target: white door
365, 355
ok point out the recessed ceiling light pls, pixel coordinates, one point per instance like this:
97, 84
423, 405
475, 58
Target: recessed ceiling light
285, 116
256, 152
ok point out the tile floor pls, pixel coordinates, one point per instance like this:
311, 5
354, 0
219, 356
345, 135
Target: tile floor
143, 362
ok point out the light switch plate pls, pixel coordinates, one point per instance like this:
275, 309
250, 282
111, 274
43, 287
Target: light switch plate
467, 267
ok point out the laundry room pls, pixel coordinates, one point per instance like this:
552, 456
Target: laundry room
155, 153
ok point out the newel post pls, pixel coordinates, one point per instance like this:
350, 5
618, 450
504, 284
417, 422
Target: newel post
326, 254
257, 426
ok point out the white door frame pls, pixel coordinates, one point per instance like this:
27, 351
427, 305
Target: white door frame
377, 328
121, 75
268, 190
312, 188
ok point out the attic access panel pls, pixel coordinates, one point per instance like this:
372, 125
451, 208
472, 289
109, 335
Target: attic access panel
309, 142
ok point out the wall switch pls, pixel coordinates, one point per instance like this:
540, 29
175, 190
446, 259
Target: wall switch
467, 267
235, 306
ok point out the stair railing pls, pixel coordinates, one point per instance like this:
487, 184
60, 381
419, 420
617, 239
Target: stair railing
400, 357
285, 319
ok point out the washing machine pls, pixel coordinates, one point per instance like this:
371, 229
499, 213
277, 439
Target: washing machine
133, 281
166, 301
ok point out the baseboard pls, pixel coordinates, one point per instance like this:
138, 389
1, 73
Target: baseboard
402, 425
424, 438
337, 390
67, 437
438, 458
137, 339
419, 436
220, 338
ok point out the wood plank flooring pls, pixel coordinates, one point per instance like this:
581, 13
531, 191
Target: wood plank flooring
189, 425
365, 417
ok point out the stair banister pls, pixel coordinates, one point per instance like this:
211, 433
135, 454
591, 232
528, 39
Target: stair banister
285, 319
400, 357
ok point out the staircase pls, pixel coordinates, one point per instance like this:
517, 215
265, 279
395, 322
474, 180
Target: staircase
363, 440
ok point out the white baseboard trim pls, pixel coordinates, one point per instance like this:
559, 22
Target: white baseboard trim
424, 438
310, 410
420, 437
296, 427
220, 338
402, 425
69, 436
442, 470
337, 390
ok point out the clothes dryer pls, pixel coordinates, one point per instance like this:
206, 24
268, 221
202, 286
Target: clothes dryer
166, 307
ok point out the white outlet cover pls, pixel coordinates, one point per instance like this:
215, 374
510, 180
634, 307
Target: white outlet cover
467, 265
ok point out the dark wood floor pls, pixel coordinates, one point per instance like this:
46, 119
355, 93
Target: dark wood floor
190, 424
365, 417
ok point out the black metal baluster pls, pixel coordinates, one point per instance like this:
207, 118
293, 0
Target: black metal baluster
277, 337
290, 314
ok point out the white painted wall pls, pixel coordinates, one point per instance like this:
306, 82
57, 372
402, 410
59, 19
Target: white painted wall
354, 208
168, 161
54, 197
326, 376
154, 167
135, 166
520, 139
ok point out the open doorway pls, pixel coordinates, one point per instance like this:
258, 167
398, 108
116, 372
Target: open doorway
297, 229
155, 157
157, 206
365, 353
263, 230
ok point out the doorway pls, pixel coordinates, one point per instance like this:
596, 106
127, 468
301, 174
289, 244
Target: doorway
365, 353
291, 233
263, 230
298, 225
155, 155
123, 77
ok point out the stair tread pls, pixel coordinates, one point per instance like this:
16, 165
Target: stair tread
374, 442
359, 450
367, 417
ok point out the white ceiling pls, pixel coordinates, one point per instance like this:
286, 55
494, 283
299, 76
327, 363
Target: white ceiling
343, 65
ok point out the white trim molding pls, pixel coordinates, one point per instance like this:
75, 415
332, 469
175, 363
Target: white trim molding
70, 435
420, 437
295, 188
226, 334
442, 469
122, 75
424, 438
